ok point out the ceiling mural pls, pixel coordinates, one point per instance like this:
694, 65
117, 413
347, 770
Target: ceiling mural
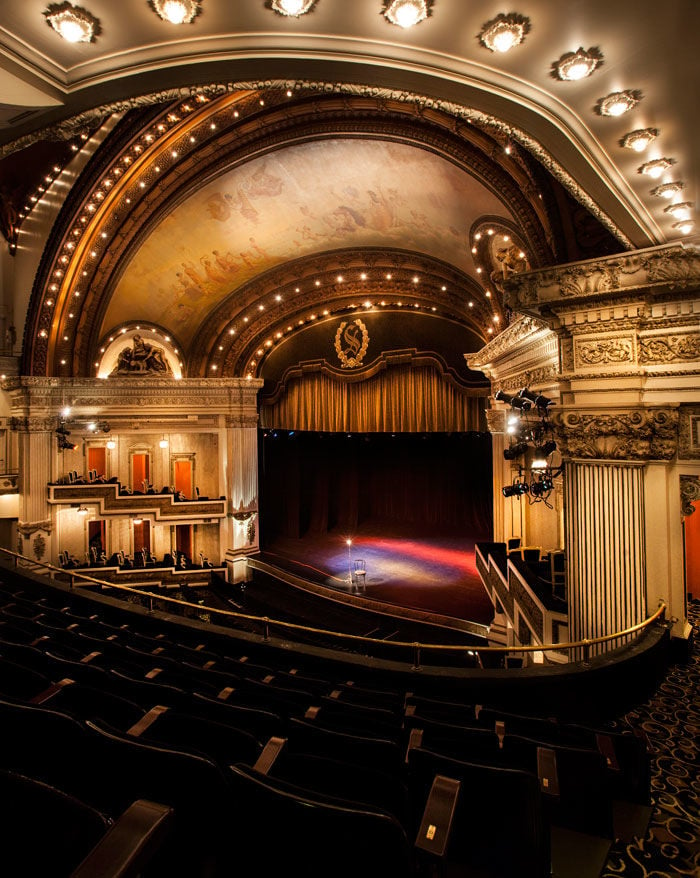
309, 198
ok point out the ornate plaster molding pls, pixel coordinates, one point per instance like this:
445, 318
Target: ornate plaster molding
690, 492
72, 127
496, 420
627, 434
680, 348
668, 268
520, 332
27, 528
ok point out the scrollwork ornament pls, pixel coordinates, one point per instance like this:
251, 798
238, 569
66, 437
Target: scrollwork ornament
604, 351
670, 349
690, 492
628, 435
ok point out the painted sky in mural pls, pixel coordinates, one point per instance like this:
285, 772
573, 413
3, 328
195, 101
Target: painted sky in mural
305, 199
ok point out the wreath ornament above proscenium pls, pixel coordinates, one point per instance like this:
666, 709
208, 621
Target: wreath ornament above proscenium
357, 350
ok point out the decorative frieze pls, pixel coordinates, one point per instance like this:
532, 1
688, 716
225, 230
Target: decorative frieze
635, 435
668, 268
604, 351
680, 348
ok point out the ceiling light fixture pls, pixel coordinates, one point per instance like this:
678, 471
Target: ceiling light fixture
668, 190
656, 167
293, 8
685, 226
407, 13
504, 32
618, 102
176, 11
639, 140
578, 64
680, 210
73, 23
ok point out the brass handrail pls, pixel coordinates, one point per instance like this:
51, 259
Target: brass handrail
584, 644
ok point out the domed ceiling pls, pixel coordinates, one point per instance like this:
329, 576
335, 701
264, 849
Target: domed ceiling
298, 201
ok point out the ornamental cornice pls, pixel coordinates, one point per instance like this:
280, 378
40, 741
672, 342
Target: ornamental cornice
241, 420
669, 268
625, 434
522, 330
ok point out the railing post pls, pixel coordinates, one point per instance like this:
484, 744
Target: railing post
266, 628
72, 581
416, 656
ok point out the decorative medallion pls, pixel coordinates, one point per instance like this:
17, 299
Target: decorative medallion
351, 342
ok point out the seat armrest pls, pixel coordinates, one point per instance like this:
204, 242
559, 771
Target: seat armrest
130, 843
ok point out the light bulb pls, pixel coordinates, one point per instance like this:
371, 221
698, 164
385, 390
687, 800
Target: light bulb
406, 13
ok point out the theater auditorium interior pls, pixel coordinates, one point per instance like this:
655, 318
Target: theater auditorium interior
349, 438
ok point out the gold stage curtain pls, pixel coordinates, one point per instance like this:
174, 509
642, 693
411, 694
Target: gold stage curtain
402, 399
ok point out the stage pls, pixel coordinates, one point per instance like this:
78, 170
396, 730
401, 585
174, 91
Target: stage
404, 567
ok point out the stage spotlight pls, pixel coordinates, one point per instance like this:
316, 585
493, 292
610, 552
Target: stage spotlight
546, 448
515, 402
62, 434
515, 451
516, 489
541, 402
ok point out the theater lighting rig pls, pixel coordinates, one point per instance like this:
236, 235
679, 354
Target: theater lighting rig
532, 441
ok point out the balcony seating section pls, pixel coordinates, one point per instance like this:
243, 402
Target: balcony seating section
260, 757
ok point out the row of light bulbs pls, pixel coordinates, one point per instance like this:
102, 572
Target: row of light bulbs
76, 25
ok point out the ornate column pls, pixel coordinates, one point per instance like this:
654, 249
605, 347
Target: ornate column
628, 330
37, 449
242, 490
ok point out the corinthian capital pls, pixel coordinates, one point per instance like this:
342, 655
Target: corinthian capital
627, 434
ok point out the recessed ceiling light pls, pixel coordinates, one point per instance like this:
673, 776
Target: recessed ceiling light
73, 23
640, 139
685, 226
656, 167
295, 8
504, 32
668, 190
680, 210
176, 11
618, 102
407, 13
578, 64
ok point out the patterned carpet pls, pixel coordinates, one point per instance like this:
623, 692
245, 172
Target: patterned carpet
671, 720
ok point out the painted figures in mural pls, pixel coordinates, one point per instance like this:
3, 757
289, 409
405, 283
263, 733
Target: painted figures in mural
311, 198
142, 358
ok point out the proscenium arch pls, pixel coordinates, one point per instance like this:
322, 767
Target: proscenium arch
105, 234
352, 280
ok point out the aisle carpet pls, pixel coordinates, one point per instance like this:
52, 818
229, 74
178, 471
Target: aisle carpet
671, 720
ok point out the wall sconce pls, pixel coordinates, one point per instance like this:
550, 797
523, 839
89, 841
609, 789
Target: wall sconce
111, 444
82, 510
163, 442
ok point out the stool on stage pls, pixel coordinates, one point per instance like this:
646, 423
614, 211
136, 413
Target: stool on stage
359, 571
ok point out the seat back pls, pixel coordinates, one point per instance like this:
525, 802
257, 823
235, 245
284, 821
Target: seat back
286, 830
498, 829
44, 828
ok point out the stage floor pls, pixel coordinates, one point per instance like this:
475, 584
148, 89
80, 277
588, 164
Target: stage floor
433, 573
